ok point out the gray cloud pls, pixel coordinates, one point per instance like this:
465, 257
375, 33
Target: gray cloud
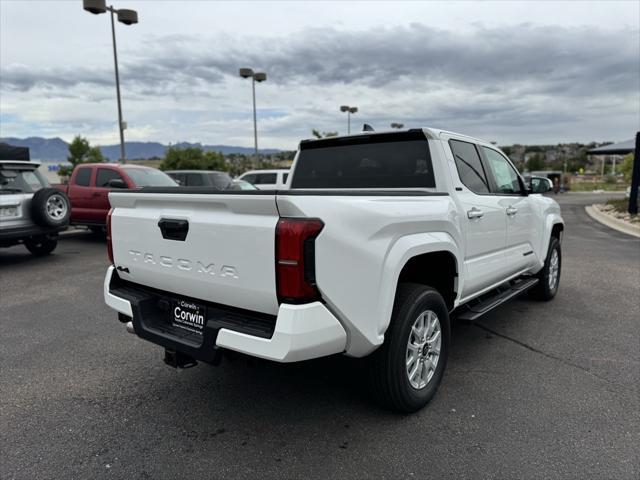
538, 59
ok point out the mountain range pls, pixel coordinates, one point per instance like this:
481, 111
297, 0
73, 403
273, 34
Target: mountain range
56, 149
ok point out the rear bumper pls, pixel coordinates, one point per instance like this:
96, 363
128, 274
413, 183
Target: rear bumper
27, 231
298, 332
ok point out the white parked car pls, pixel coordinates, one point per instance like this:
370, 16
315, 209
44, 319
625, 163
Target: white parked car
266, 179
379, 240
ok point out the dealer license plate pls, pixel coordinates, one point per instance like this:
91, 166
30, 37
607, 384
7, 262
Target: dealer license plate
188, 315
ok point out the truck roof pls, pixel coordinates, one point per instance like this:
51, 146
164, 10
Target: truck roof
20, 163
428, 132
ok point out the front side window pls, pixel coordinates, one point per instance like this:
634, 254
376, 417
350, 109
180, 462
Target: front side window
83, 177
285, 176
469, 166
505, 177
251, 178
105, 175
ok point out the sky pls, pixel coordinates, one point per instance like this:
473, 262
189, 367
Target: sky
512, 72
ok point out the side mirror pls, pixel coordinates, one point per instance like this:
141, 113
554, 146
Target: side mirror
116, 183
541, 185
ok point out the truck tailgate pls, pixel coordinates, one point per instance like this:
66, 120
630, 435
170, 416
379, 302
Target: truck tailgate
227, 255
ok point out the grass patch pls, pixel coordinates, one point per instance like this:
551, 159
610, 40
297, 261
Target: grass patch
619, 205
589, 187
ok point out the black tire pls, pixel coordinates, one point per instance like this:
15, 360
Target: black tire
544, 290
40, 246
388, 370
50, 208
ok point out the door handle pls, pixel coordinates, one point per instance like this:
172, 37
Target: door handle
512, 210
475, 213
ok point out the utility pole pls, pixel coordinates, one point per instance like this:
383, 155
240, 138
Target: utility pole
635, 178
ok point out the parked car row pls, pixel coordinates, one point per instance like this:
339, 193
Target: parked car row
33, 212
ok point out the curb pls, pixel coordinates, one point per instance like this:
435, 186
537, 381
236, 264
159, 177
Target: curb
611, 222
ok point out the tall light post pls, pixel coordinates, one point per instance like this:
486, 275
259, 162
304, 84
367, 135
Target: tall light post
397, 125
255, 77
128, 17
349, 110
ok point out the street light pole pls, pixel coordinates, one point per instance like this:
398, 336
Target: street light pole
349, 110
115, 61
255, 77
255, 118
128, 17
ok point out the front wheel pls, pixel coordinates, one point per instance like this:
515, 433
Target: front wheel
42, 245
407, 369
549, 276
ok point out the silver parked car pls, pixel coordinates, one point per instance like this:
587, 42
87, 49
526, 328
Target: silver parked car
31, 212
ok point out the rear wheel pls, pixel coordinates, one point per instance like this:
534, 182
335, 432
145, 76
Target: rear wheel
44, 245
549, 276
408, 368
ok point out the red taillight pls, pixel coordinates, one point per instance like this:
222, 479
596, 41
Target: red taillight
295, 259
109, 244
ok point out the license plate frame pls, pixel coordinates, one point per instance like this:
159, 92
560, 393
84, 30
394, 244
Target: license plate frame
188, 315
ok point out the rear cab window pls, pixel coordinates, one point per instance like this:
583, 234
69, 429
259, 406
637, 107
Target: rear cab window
149, 177
21, 180
398, 160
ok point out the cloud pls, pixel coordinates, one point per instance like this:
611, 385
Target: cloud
513, 75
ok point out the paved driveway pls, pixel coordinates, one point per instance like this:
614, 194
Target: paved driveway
535, 390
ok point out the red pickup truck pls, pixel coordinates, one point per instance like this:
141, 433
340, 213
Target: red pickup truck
90, 184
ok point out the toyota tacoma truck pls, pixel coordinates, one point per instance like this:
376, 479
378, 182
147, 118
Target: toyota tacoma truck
376, 242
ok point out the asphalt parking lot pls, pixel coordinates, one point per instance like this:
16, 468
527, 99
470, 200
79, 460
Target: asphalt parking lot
534, 390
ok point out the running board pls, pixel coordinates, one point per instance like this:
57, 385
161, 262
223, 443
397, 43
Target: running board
471, 312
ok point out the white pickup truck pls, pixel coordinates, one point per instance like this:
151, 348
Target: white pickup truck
376, 241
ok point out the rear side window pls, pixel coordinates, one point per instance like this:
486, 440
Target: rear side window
469, 166
367, 164
266, 179
83, 177
105, 175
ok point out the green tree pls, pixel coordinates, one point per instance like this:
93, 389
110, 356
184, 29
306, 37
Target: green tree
536, 162
192, 158
626, 166
319, 134
80, 151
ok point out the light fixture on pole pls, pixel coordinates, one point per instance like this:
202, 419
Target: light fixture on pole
128, 17
255, 77
397, 125
349, 110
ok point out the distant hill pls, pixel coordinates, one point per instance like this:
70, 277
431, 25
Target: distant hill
56, 149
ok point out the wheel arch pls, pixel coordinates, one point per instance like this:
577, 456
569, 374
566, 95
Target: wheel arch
420, 259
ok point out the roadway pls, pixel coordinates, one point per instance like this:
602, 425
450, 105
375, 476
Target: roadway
534, 390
